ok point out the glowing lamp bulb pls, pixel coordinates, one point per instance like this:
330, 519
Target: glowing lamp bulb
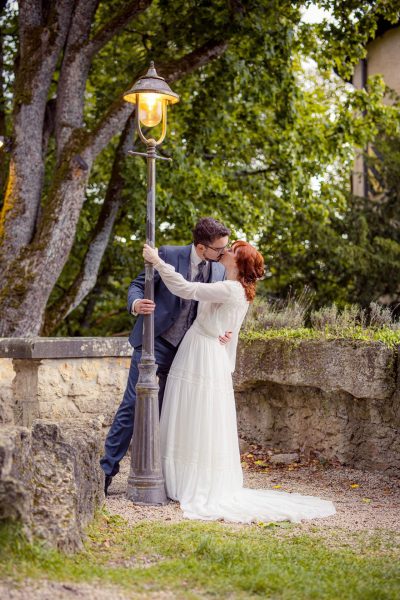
150, 109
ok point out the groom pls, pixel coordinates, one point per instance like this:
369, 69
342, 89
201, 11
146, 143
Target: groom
172, 318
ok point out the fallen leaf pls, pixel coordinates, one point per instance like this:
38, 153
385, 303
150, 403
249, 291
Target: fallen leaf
355, 485
277, 486
366, 500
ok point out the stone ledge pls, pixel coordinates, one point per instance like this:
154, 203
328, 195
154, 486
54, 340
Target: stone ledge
57, 347
362, 369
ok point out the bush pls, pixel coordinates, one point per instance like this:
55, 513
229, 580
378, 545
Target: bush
279, 314
294, 312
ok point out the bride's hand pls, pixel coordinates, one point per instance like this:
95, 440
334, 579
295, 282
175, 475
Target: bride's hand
150, 254
225, 339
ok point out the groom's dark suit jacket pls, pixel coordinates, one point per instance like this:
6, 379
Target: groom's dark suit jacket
167, 305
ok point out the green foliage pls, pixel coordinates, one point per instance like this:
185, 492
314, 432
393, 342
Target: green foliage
215, 559
354, 255
263, 139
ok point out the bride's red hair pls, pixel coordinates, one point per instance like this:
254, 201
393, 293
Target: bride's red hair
250, 264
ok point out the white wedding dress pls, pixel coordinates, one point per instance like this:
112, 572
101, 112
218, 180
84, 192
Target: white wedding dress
199, 440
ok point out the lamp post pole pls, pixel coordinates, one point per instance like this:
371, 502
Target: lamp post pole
145, 481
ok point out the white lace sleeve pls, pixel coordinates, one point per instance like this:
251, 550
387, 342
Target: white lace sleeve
192, 290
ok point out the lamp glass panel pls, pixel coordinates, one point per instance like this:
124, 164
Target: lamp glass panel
150, 109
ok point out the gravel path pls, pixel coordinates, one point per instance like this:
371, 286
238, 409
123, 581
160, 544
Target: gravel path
365, 501
51, 590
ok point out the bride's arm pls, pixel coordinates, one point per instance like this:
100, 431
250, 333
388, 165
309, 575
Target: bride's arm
189, 290
231, 348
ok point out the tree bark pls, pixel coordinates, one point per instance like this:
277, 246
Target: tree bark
40, 45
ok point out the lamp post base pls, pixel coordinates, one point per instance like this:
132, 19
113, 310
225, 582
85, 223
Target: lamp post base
146, 482
146, 493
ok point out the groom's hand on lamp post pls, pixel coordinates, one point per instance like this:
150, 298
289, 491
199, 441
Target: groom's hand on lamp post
144, 307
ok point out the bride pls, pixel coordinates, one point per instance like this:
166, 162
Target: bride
199, 440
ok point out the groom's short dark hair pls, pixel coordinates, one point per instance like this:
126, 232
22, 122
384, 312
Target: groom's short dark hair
207, 230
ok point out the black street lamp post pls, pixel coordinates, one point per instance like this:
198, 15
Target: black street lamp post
150, 94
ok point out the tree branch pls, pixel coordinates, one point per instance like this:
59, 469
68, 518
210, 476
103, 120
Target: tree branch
194, 60
117, 24
74, 72
78, 58
250, 173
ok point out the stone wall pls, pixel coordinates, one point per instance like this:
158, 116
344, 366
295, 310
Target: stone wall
58, 378
338, 398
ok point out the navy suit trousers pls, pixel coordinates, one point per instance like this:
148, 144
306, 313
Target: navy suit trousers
120, 434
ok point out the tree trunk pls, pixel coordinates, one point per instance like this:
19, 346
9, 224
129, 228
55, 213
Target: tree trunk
2, 107
31, 277
41, 40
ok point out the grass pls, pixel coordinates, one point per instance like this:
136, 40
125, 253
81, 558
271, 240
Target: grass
214, 560
385, 335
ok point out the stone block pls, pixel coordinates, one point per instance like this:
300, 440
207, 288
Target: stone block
285, 459
7, 375
51, 480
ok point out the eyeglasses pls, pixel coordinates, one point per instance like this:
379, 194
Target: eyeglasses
218, 250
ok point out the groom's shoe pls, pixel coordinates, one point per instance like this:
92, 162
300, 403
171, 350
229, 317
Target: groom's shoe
107, 483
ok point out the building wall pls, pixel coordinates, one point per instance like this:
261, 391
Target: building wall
383, 58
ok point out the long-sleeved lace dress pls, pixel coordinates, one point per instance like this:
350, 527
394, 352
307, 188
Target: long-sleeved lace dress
199, 441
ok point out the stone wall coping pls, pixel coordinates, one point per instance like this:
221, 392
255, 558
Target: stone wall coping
58, 347
362, 369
